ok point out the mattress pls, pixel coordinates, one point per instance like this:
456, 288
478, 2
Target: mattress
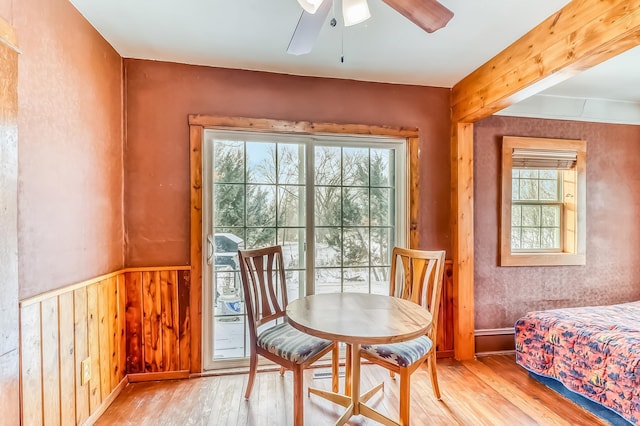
593, 351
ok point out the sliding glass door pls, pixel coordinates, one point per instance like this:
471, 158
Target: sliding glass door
336, 206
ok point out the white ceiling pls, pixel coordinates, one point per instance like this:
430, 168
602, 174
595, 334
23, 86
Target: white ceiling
609, 92
254, 34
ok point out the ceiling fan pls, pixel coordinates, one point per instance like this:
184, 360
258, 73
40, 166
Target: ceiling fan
430, 15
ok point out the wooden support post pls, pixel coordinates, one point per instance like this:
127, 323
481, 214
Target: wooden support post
462, 218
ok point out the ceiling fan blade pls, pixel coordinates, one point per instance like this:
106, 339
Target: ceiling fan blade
429, 15
308, 28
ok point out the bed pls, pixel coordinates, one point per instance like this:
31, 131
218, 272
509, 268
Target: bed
593, 351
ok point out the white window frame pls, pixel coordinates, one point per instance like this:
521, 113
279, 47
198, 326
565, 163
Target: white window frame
540, 203
402, 220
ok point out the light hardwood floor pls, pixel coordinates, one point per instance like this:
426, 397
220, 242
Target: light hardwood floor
491, 390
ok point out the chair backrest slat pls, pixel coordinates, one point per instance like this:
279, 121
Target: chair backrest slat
421, 279
274, 266
261, 275
264, 286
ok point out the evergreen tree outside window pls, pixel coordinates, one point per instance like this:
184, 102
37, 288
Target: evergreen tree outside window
336, 206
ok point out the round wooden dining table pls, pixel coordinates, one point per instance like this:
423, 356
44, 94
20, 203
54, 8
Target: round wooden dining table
356, 319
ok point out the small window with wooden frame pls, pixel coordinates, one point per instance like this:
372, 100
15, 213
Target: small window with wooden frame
543, 202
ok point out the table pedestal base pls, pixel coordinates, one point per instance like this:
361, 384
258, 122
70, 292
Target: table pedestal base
355, 408
355, 403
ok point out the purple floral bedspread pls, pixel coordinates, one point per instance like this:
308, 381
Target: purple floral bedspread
594, 351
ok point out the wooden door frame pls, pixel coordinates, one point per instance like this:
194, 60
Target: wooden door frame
197, 125
582, 34
9, 325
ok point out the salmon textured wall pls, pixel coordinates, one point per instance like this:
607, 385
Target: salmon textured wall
70, 147
612, 272
160, 96
6, 11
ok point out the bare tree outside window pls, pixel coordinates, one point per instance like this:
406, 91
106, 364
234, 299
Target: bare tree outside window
260, 197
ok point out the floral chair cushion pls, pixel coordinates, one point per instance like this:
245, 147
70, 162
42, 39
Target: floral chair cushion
401, 354
289, 343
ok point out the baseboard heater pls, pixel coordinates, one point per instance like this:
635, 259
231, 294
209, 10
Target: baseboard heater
322, 374
494, 340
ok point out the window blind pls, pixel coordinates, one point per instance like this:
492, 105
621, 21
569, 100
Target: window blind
543, 159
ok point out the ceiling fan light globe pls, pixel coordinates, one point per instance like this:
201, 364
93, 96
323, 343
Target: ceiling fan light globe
355, 12
310, 6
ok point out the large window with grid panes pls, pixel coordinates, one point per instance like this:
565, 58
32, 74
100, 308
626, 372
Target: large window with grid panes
543, 202
335, 204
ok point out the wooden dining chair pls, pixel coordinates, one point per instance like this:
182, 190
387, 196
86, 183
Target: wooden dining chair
265, 300
421, 282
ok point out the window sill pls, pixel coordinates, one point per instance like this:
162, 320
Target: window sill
543, 259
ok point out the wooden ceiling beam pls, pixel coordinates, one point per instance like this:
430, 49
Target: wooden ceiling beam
582, 34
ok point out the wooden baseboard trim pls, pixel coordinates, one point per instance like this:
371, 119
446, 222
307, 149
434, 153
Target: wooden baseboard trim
132, 378
107, 402
163, 375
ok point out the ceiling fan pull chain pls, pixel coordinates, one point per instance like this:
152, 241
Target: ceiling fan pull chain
342, 44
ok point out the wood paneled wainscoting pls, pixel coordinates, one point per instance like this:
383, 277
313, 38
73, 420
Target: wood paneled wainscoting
131, 325
158, 324
444, 336
122, 324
